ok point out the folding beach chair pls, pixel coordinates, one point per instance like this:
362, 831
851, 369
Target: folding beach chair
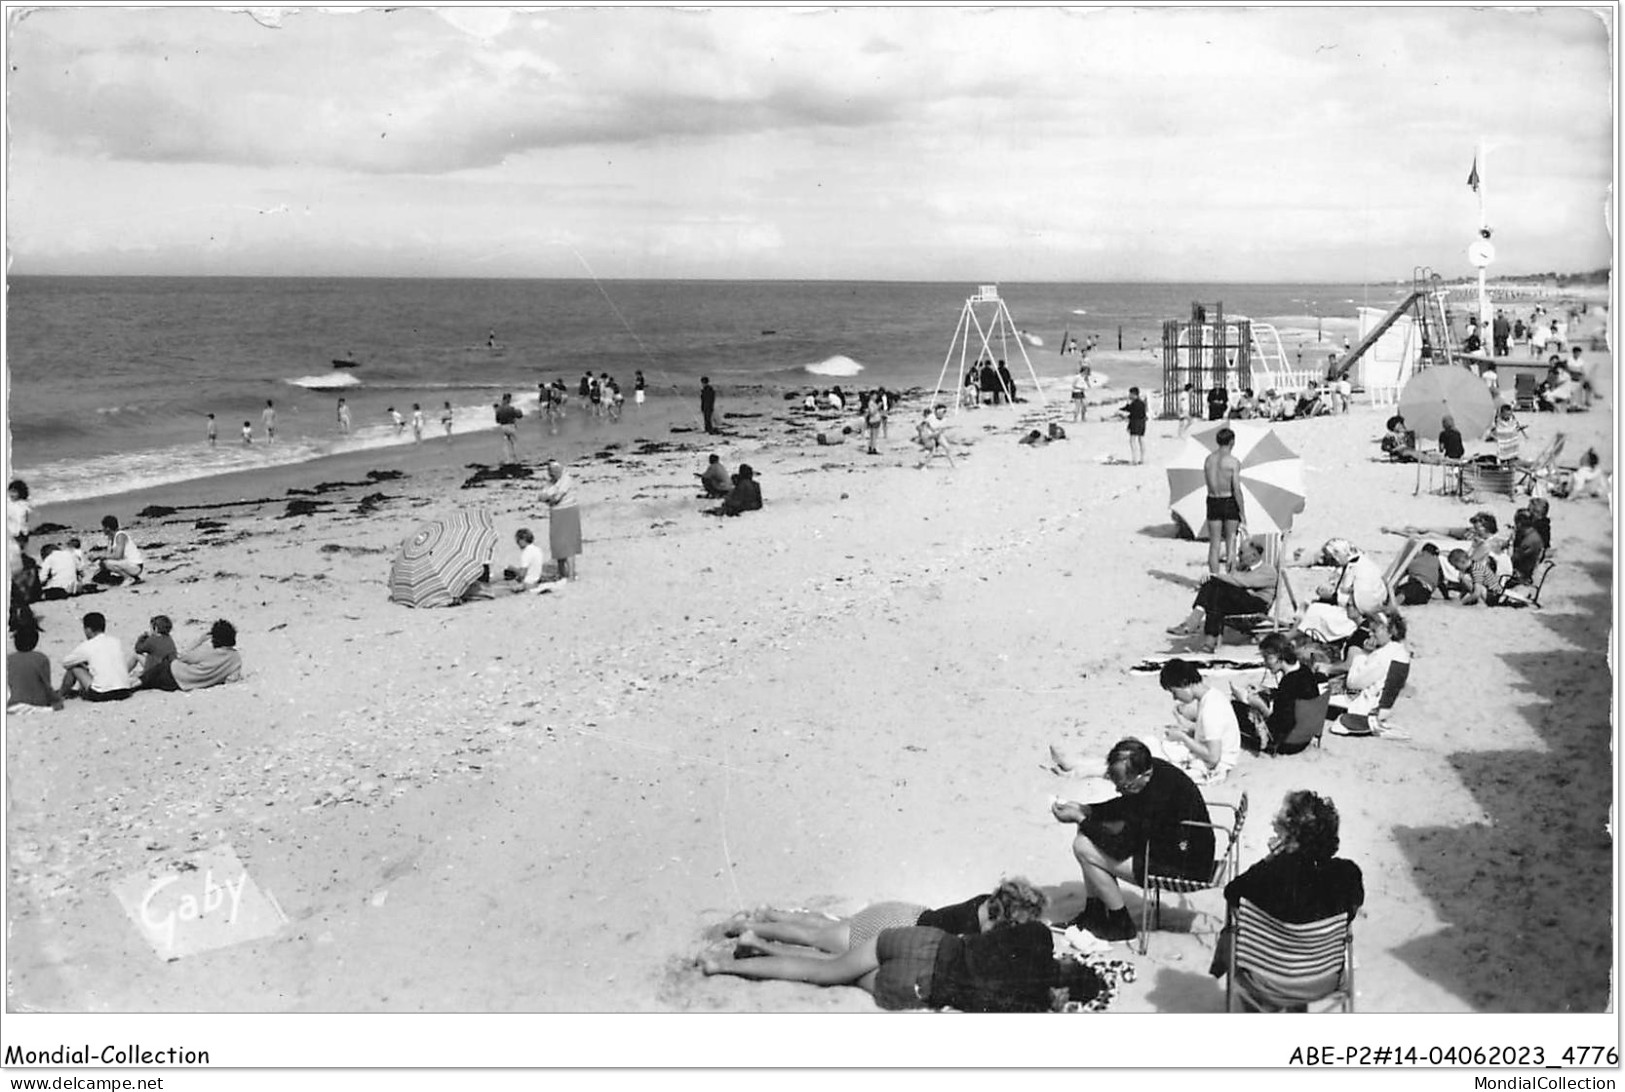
1359, 724
1283, 608
1524, 388
1308, 725
1225, 866
1539, 471
1527, 594
1278, 966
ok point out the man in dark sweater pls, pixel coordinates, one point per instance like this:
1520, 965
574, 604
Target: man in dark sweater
1155, 798
708, 402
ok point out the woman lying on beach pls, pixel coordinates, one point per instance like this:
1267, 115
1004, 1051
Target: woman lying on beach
1008, 967
768, 929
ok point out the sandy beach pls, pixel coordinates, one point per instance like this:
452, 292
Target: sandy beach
539, 803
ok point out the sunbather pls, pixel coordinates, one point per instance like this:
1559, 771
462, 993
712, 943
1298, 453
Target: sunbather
1368, 675
1357, 589
1009, 967
768, 925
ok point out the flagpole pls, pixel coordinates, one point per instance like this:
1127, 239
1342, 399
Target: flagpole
1485, 323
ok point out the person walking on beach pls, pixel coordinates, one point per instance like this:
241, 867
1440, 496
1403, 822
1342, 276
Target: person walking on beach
214, 431
563, 519
446, 418
344, 417
1223, 472
1135, 410
248, 432
397, 420
708, 402
507, 415
268, 418
417, 422
874, 417
637, 389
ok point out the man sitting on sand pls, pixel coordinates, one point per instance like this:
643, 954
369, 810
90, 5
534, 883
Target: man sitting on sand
58, 572
199, 667
1112, 840
715, 478
97, 669
1248, 590
1205, 738
121, 558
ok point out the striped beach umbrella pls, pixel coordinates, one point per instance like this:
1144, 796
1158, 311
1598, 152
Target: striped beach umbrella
1271, 479
443, 559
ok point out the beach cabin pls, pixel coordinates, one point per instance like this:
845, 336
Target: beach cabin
1383, 369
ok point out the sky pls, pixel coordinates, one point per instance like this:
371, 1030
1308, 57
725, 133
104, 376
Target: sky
1052, 144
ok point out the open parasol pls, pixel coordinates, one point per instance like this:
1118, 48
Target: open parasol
1446, 391
1271, 478
443, 559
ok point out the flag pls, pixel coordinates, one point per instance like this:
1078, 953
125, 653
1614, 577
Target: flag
1472, 179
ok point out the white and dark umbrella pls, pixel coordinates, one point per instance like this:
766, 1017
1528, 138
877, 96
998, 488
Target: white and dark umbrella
1272, 491
443, 559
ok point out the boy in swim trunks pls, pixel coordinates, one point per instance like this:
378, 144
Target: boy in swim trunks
1222, 470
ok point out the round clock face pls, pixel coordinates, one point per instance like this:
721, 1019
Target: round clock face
1481, 253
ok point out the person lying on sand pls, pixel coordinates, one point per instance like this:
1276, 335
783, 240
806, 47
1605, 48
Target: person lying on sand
714, 480
197, 667
782, 929
1008, 967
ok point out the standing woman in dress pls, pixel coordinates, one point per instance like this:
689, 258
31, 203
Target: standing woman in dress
564, 519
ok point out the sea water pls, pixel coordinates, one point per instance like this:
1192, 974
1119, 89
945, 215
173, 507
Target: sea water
110, 378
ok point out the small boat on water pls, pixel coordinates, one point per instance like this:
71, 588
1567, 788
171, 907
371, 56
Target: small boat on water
346, 363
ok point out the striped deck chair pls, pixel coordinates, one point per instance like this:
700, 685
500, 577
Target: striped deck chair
1538, 472
1278, 966
1284, 607
1225, 866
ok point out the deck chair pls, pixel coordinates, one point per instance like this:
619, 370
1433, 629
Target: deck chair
1308, 725
1359, 724
1278, 966
1225, 866
1395, 572
1283, 608
1524, 392
1539, 471
1527, 594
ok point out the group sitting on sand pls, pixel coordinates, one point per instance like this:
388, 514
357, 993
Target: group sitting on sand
99, 670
